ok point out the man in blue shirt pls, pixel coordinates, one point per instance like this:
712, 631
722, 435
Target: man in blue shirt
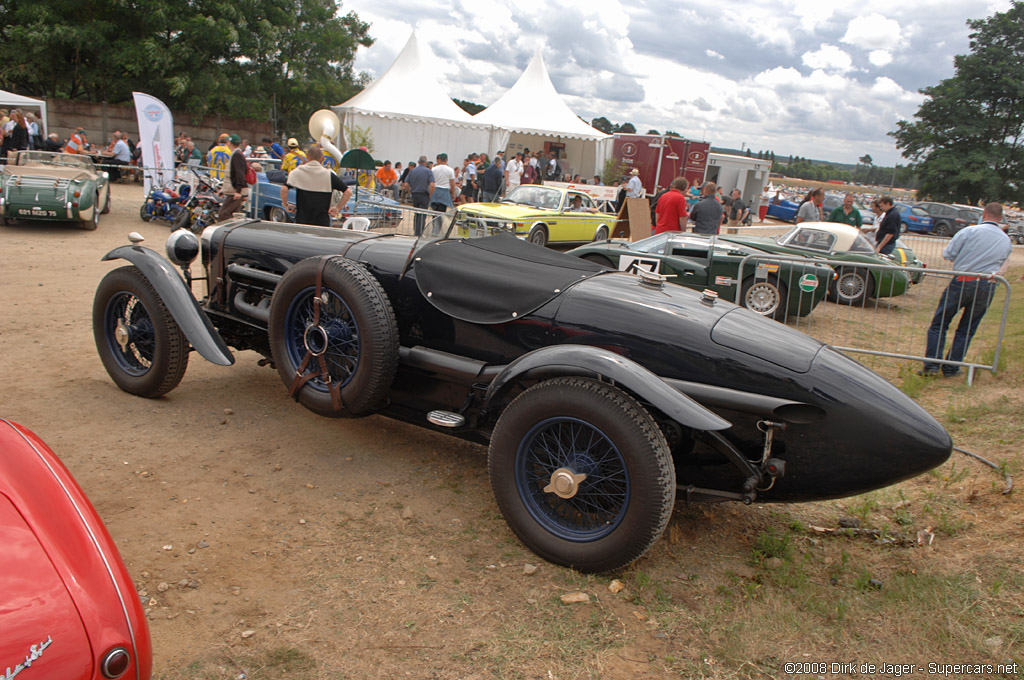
420, 184
981, 249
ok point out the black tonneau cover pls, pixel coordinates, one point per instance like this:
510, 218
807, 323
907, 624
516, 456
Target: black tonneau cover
495, 279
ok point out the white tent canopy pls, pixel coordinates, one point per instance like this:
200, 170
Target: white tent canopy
9, 100
547, 118
409, 114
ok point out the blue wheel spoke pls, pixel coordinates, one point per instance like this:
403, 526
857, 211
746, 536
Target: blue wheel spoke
343, 345
601, 498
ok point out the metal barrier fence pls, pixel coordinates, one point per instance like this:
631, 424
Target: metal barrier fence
877, 310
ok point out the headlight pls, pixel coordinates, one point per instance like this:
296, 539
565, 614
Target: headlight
182, 247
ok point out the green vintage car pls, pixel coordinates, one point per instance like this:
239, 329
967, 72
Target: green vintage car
58, 187
853, 285
773, 289
542, 215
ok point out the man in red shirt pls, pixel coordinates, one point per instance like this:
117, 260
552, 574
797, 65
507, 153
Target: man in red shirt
671, 210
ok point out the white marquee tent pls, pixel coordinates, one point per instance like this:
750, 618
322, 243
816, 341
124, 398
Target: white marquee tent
534, 113
9, 100
409, 114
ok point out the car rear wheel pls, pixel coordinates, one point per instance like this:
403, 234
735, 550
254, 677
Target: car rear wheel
94, 220
942, 228
767, 297
106, 203
539, 235
582, 474
332, 323
904, 227
139, 343
276, 214
852, 286
599, 259
602, 233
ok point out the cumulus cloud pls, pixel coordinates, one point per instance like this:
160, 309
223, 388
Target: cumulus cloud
874, 32
828, 57
880, 57
713, 54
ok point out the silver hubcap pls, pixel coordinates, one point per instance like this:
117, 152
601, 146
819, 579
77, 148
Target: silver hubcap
762, 299
121, 335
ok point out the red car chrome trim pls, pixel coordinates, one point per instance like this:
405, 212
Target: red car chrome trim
34, 652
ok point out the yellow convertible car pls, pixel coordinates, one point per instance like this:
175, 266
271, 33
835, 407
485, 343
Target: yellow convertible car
541, 215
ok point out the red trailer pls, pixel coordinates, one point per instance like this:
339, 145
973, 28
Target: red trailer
661, 158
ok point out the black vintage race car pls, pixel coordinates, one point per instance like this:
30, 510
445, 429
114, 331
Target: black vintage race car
603, 395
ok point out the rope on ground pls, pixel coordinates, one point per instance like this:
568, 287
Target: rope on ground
1006, 475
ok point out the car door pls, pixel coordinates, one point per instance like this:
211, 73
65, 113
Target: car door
688, 261
576, 226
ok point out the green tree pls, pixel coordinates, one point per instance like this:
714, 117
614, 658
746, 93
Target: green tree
967, 135
652, 131
236, 58
471, 108
626, 128
602, 124
866, 160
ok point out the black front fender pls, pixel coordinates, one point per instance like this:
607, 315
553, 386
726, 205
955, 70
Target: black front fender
179, 301
560, 360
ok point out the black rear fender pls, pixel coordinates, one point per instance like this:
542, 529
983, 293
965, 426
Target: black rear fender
179, 301
584, 360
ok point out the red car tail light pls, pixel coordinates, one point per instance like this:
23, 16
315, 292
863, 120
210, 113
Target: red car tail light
115, 663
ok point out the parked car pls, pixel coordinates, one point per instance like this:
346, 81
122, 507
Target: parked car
68, 608
970, 214
265, 203
784, 210
853, 285
701, 262
57, 187
1016, 234
542, 215
946, 219
603, 395
914, 218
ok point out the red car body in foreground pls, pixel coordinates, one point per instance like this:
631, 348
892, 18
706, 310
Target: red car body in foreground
68, 608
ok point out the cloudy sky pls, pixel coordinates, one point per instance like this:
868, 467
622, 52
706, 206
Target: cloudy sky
818, 78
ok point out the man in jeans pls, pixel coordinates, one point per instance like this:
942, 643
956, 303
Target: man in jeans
985, 249
420, 184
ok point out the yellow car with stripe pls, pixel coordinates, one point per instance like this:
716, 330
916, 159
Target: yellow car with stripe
541, 215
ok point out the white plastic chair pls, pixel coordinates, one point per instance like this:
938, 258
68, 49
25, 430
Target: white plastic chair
356, 223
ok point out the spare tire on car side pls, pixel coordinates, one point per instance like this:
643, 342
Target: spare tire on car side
333, 337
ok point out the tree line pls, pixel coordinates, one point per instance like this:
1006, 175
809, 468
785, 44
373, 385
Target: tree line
263, 59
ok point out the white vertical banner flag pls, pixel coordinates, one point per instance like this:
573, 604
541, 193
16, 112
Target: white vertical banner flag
156, 138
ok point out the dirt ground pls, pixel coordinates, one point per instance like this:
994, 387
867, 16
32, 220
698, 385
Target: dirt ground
269, 542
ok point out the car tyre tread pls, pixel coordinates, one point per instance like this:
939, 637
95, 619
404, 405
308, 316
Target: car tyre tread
641, 443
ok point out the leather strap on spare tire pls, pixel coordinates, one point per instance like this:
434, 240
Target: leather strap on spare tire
333, 337
301, 375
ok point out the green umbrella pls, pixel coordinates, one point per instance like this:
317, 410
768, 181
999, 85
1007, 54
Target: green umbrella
357, 159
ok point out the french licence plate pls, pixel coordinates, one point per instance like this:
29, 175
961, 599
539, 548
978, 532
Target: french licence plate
38, 212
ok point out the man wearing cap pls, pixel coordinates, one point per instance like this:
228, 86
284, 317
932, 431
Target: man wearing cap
634, 187
235, 188
77, 142
219, 156
314, 186
294, 158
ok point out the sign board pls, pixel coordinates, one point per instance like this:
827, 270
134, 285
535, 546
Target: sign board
599, 193
660, 158
634, 219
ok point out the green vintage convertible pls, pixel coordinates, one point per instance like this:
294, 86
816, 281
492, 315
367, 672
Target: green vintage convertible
59, 187
853, 285
772, 289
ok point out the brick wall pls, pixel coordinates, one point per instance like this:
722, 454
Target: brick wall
101, 119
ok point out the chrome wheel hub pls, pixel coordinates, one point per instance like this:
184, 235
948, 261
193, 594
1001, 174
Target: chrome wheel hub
564, 483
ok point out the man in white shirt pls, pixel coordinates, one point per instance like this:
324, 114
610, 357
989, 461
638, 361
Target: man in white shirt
634, 188
444, 184
514, 172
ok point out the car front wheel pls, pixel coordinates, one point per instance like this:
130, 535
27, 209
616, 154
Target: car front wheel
276, 214
582, 474
139, 343
94, 221
539, 235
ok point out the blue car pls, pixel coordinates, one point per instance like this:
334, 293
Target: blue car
913, 218
784, 210
381, 210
